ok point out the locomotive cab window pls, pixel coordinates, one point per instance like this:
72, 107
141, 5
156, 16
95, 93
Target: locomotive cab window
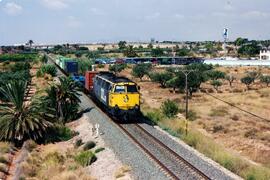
119, 89
132, 89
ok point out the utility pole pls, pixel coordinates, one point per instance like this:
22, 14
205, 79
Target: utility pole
186, 73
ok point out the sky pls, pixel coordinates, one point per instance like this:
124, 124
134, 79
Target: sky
89, 21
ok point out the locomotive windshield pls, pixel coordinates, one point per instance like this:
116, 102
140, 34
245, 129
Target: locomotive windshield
131, 88
119, 89
126, 88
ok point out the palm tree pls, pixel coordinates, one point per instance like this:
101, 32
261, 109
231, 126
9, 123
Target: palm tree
64, 98
19, 121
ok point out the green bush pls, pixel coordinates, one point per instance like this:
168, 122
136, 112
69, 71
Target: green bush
17, 57
47, 69
89, 145
101, 65
85, 158
99, 150
169, 108
78, 143
20, 66
59, 133
154, 116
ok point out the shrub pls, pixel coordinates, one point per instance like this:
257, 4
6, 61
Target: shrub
192, 115
89, 145
3, 168
247, 81
216, 84
78, 143
54, 158
30, 145
3, 160
85, 158
47, 69
217, 128
59, 133
235, 117
99, 150
265, 79
219, 111
154, 116
169, 108
101, 65
252, 133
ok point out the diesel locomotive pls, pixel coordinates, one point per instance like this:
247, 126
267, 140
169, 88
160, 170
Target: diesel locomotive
119, 95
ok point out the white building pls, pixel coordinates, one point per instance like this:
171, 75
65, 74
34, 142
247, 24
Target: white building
265, 54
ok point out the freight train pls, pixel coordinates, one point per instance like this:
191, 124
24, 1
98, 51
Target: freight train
119, 96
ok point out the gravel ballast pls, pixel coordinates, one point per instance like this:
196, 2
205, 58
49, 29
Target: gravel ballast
127, 152
212, 169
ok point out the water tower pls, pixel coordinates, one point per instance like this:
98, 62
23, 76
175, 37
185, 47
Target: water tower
225, 37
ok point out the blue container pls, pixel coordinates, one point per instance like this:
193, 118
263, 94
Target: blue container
71, 67
80, 79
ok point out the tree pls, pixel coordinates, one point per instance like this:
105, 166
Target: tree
122, 45
30, 42
117, 68
183, 52
157, 52
150, 46
240, 41
196, 78
215, 75
129, 52
173, 83
265, 79
250, 49
161, 78
84, 65
64, 98
92, 55
230, 78
254, 74
19, 122
169, 108
44, 59
247, 81
216, 84
140, 70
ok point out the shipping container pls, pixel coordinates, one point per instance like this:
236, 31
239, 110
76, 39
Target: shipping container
80, 79
71, 66
89, 75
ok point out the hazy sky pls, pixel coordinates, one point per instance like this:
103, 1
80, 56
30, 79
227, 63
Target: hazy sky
62, 21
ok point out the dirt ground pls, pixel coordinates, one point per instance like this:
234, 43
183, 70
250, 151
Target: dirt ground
237, 131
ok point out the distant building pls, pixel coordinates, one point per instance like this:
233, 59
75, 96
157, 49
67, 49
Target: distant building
1, 52
265, 54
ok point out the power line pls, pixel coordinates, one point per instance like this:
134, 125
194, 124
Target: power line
243, 110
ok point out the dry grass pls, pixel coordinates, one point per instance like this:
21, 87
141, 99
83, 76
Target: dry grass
52, 163
121, 172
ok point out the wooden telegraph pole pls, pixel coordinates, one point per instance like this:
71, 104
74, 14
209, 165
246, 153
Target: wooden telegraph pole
186, 73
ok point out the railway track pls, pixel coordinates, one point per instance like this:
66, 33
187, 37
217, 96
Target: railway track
175, 166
